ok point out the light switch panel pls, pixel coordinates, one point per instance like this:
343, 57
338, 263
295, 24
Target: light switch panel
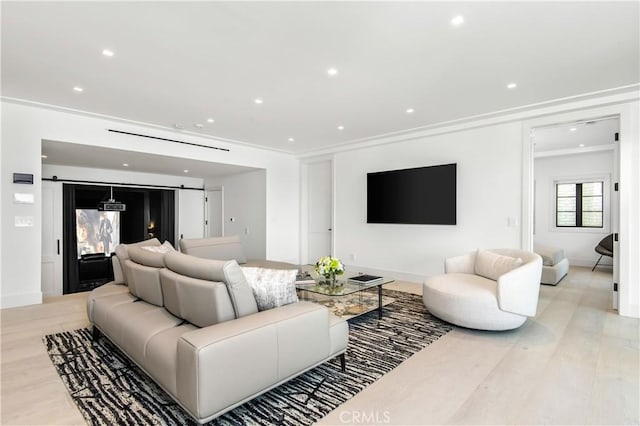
21, 198
23, 221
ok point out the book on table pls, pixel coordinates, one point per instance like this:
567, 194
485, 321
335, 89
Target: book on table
304, 278
365, 279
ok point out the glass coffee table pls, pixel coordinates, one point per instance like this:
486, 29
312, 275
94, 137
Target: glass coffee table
347, 298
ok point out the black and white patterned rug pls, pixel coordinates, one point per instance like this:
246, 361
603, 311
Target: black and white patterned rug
109, 389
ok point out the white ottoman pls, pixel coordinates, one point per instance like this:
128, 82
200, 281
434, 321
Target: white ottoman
554, 264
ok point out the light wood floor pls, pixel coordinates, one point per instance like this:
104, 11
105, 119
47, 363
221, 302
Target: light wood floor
577, 362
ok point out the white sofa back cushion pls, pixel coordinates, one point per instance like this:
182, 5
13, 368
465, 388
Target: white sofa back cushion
218, 248
122, 252
202, 303
143, 274
166, 247
228, 272
492, 265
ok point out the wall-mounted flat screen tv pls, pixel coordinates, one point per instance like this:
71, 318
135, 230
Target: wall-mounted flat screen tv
423, 195
97, 232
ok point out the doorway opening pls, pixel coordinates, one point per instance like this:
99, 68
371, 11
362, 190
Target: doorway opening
575, 172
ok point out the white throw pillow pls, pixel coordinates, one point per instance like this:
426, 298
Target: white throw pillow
166, 247
272, 287
492, 265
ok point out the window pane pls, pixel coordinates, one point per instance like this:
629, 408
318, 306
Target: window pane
566, 219
592, 188
566, 204
566, 189
592, 204
592, 219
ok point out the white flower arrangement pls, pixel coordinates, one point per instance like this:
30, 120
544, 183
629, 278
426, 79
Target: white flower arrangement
327, 266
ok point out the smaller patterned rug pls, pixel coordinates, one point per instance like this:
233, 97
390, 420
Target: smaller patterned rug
109, 389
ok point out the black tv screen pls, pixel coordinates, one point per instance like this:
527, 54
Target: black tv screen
424, 195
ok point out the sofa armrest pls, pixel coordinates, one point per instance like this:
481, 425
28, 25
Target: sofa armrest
118, 275
518, 289
464, 264
225, 364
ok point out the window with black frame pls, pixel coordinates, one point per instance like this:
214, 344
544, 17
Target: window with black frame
580, 204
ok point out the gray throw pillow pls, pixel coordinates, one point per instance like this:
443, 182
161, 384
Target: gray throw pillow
272, 287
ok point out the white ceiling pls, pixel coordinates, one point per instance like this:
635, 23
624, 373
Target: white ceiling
183, 62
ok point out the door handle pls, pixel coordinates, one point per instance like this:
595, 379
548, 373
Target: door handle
330, 229
58, 244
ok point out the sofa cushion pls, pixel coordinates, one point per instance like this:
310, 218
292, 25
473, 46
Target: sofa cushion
122, 251
164, 248
146, 257
492, 265
272, 287
218, 248
228, 272
200, 302
144, 280
550, 255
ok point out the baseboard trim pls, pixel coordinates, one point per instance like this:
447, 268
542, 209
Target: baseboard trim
22, 299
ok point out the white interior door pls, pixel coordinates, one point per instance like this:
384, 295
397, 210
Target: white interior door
215, 213
190, 213
615, 221
320, 190
51, 278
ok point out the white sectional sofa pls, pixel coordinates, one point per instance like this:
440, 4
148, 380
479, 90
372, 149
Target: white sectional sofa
193, 326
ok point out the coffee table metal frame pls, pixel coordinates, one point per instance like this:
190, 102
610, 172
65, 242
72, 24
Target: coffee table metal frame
344, 287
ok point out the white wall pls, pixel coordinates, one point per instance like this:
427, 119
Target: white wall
495, 183
488, 194
245, 201
25, 126
577, 244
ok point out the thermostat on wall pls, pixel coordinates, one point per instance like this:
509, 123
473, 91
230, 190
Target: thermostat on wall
26, 178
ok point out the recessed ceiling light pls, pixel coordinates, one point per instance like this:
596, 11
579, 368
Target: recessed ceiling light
107, 52
43, 156
125, 164
186, 170
332, 71
573, 129
258, 100
78, 89
178, 126
581, 145
291, 140
199, 125
511, 86
210, 120
458, 20
340, 127
410, 110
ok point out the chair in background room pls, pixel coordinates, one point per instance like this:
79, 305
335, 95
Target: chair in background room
604, 248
